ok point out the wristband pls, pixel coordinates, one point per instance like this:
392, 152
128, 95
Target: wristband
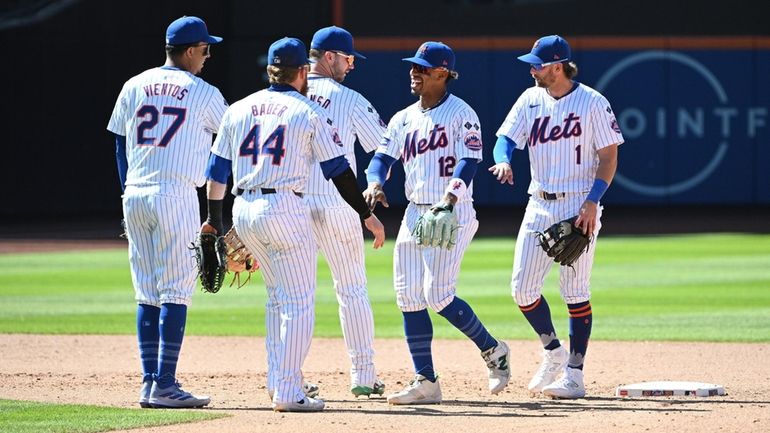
456, 187
598, 190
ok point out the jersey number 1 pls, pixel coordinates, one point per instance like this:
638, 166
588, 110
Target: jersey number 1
273, 145
150, 110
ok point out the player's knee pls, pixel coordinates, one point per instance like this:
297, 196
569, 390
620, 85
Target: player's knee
524, 297
439, 302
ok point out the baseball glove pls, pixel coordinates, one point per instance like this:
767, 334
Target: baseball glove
239, 259
564, 242
211, 257
437, 227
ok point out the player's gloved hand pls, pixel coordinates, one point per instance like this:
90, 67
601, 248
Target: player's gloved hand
503, 172
374, 194
437, 227
378, 230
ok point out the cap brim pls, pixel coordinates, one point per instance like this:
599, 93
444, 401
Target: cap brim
214, 39
419, 61
358, 55
531, 59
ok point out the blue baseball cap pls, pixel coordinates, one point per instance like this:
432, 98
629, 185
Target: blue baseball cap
334, 39
189, 30
433, 55
287, 52
548, 49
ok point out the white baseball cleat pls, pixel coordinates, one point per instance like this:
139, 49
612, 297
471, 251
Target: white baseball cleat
307, 404
498, 365
174, 397
144, 394
552, 365
569, 385
310, 390
419, 391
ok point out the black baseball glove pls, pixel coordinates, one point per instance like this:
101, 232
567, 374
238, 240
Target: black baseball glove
564, 242
211, 257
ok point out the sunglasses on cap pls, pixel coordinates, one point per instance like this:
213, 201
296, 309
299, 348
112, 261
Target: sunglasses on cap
349, 57
543, 65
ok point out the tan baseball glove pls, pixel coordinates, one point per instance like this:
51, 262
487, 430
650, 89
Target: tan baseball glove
239, 259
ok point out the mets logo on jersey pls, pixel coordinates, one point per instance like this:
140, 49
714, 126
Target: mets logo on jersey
542, 133
336, 137
414, 146
614, 125
472, 141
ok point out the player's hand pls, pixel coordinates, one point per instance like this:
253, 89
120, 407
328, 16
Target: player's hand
124, 233
503, 172
208, 228
586, 219
374, 194
378, 230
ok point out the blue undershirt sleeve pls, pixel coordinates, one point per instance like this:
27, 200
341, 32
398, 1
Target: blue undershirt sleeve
378, 168
219, 169
122, 159
503, 151
466, 169
334, 167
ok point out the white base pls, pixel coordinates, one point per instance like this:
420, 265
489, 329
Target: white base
669, 388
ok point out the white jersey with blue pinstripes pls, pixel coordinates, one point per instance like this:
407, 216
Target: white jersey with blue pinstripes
168, 117
430, 143
354, 117
273, 137
562, 135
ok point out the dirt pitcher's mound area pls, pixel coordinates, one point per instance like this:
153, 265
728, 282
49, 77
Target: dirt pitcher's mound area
104, 370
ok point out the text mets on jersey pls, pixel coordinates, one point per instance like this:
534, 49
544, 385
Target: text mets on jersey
414, 146
542, 134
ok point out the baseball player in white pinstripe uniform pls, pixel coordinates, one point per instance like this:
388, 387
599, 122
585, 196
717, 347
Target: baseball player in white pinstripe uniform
164, 119
270, 140
336, 227
438, 140
572, 137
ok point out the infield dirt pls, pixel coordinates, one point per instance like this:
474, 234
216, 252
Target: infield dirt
103, 370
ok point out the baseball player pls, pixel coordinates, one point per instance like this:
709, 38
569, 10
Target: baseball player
438, 140
269, 141
336, 227
572, 137
163, 121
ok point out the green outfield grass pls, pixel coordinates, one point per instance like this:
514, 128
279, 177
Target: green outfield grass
29, 417
685, 287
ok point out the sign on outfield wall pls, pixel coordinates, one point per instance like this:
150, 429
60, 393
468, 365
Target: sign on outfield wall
695, 112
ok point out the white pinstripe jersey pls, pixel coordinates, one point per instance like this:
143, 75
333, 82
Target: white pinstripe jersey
430, 143
168, 117
354, 117
563, 136
273, 137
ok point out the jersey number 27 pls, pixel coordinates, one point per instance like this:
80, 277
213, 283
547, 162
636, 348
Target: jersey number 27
273, 145
143, 128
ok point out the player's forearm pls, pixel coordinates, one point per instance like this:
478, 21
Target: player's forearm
503, 150
608, 163
122, 159
348, 188
377, 172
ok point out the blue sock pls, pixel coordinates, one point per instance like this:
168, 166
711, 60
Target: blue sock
172, 321
419, 336
538, 315
461, 315
580, 321
147, 331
